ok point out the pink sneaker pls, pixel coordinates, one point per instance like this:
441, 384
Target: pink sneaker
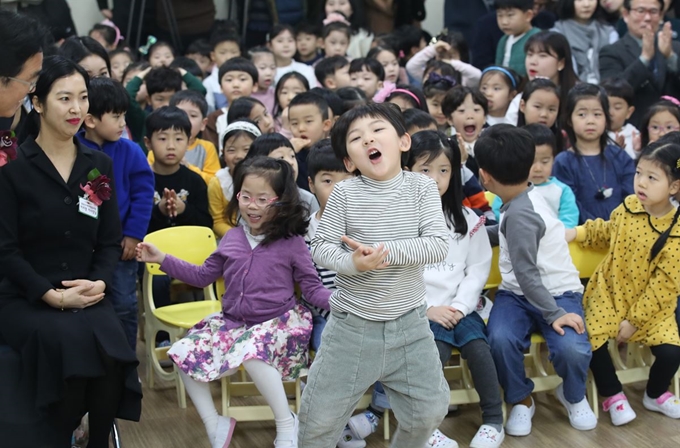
619, 409
667, 404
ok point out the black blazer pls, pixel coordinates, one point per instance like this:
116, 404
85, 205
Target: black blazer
622, 59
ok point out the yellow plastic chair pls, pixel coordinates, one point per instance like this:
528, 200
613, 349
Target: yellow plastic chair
189, 243
494, 279
586, 260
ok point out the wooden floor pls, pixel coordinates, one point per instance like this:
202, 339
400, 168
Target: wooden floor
165, 425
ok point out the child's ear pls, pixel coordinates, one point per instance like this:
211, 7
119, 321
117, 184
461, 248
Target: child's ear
311, 185
380, 85
255, 87
484, 177
147, 143
319, 42
212, 57
327, 125
529, 15
405, 142
329, 83
203, 123
349, 165
522, 105
675, 187
631, 109
89, 121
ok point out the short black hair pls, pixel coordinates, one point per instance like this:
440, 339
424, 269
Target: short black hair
305, 27
351, 97
542, 135
189, 65
522, 5
409, 37
193, 97
199, 46
372, 65
163, 79
167, 117
336, 26
417, 118
238, 64
266, 143
332, 98
626, 4
78, 48
385, 111
258, 50
22, 37
456, 96
107, 95
241, 108
224, 35
328, 66
322, 158
619, 88
313, 98
506, 152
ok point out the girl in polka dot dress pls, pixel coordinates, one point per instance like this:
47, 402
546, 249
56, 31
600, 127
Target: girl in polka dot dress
633, 295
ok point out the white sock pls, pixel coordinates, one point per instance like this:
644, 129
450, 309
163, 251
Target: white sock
268, 381
203, 402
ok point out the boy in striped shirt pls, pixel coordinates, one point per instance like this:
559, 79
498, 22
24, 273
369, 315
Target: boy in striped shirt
378, 231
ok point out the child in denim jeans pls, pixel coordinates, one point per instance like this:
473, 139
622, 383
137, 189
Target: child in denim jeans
540, 289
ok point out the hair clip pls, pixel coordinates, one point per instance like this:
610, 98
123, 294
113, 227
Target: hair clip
335, 17
401, 54
677, 164
109, 23
149, 42
436, 77
671, 99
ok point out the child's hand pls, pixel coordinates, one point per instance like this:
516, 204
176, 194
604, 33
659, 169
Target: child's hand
637, 141
143, 73
626, 331
446, 316
572, 320
367, 258
463, 149
163, 204
129, 246
442, 46
570, 235
620, 140
177, 205
299, 143
148, 253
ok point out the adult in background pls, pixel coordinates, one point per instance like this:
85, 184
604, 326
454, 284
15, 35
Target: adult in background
645, 57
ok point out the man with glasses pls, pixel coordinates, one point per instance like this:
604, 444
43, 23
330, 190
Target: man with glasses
646, 57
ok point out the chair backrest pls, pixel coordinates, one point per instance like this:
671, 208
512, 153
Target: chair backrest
490, 197
494, 279
189, 243
586, 260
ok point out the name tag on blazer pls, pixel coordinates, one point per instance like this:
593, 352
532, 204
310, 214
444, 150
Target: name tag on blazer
88, 208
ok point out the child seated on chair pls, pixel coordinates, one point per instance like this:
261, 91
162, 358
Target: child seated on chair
261, 326
540, 289
633, 295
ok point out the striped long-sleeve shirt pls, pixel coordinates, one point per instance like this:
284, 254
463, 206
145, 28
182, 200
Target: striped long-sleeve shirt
403, 213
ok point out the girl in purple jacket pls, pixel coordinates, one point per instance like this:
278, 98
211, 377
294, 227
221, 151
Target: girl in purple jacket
262, 325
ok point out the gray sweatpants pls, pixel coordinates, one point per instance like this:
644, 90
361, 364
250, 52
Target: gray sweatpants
355, 353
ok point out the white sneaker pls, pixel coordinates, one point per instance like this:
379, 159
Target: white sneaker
487, 437
667, 404
439, 440
347, 440
581, 416
519, 421
225, 429
363, 425
291, 442
619, 409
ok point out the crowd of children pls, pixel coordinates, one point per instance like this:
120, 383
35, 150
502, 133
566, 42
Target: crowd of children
355, 166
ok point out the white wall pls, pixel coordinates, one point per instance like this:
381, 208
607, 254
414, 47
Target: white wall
434, 17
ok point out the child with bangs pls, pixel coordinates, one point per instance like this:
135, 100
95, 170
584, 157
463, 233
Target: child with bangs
225, 44
447, 50
367, 74
288, 87
264, 61
252, 109
353, 11
499, 85
440, 79
335, 35
281, 41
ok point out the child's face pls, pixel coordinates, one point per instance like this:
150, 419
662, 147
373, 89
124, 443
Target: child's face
619, 112
289, 90
543, 64
287, 154
266, 70
322, 185
541, 107
224, 51
374, 148
661, 124
651, 184
195, 117
588, 120
543, 163
497, 92
109, 127
438, 169
203, 62
584, 10
514, 21
161, 56
434, 105
306, 44
307, 122
235, 150
367, 81
168, 146
160, 99
283, 45
119, 63
335, 44
390, 64
254, 200
343, 6
237, 84
95, 66
260, 115
468, 120
339, 79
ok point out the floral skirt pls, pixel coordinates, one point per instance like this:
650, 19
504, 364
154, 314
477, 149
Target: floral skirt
209, 351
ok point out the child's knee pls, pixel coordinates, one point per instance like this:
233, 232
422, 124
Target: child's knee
574, 352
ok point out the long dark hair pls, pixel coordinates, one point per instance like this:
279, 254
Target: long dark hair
578, 93
288, 215
78, 48
430, 145
279, 86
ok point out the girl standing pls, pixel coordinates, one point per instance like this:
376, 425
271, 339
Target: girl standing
281, 41
261, 326
633, 295
599, 173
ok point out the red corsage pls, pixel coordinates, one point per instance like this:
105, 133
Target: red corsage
98, 187
8, 147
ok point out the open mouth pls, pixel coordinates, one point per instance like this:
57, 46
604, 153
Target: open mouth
470, 129
374, 154
532, 73
641, 196
254, 219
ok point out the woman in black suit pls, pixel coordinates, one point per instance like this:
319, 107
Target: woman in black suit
58, 251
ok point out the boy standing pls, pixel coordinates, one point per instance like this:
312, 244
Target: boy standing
514, 19
540, 288
377, 232
201, 155
104, 125
621, 96
333, 73
225, 45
